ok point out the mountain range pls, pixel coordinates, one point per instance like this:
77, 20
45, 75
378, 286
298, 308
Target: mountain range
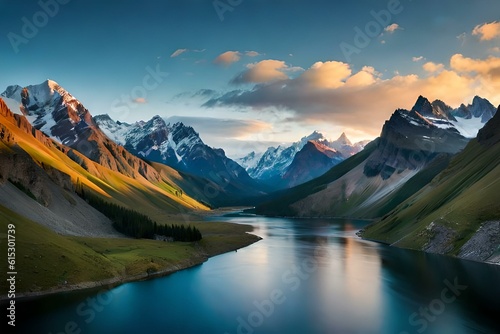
310, 157
413, 147
213, 178
47, 172
180, 147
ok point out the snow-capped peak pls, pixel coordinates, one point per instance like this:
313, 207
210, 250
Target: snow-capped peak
116, 131
313, 136
49, 108
343, 140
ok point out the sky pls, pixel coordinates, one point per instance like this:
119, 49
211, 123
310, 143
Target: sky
247, 74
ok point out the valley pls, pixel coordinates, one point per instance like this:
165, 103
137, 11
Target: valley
250, 167
52, 147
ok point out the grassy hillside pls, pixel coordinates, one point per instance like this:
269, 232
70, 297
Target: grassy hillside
46, 260
459, 199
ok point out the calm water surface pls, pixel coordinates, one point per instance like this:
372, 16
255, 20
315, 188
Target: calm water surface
306, 276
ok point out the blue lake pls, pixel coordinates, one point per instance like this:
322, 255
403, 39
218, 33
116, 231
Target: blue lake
306, 276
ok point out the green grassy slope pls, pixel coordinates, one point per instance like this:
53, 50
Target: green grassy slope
460, 198
46, 260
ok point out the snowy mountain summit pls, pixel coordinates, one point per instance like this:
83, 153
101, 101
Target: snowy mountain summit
49, 108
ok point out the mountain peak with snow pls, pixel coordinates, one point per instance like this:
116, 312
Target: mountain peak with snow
50, 109
343, 140
313, 136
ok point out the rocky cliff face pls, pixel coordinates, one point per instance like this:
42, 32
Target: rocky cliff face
457, 213
490, 133
409, 141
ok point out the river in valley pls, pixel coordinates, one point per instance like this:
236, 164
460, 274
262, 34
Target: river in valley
305, 276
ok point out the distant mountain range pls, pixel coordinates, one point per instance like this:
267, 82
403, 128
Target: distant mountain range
288, 166
180, 147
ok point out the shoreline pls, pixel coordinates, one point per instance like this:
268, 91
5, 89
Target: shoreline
113, 282
360, 235
110, 282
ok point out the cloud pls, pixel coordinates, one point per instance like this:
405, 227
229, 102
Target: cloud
332, 92
252, 54
330, 74
462, 38
204, 92
495, 49
433, 67
367, 76
178, 52
264, 71
417, 59
293, 69
487, 31
140, 100
489, 67
227, 58
392, 28
223, 127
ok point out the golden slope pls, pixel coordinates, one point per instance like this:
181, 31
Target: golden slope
133, 191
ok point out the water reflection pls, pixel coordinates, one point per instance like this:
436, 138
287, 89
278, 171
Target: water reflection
328, 280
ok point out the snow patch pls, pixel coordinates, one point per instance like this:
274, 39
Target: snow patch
13, 105
468, 127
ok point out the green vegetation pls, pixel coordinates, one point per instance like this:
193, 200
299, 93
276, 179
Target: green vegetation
460, 199
135, 224
46, 260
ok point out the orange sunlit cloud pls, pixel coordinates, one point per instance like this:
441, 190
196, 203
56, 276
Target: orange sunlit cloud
433, 67
263, 71
330, 92
330, 74
487, 31
227, 58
